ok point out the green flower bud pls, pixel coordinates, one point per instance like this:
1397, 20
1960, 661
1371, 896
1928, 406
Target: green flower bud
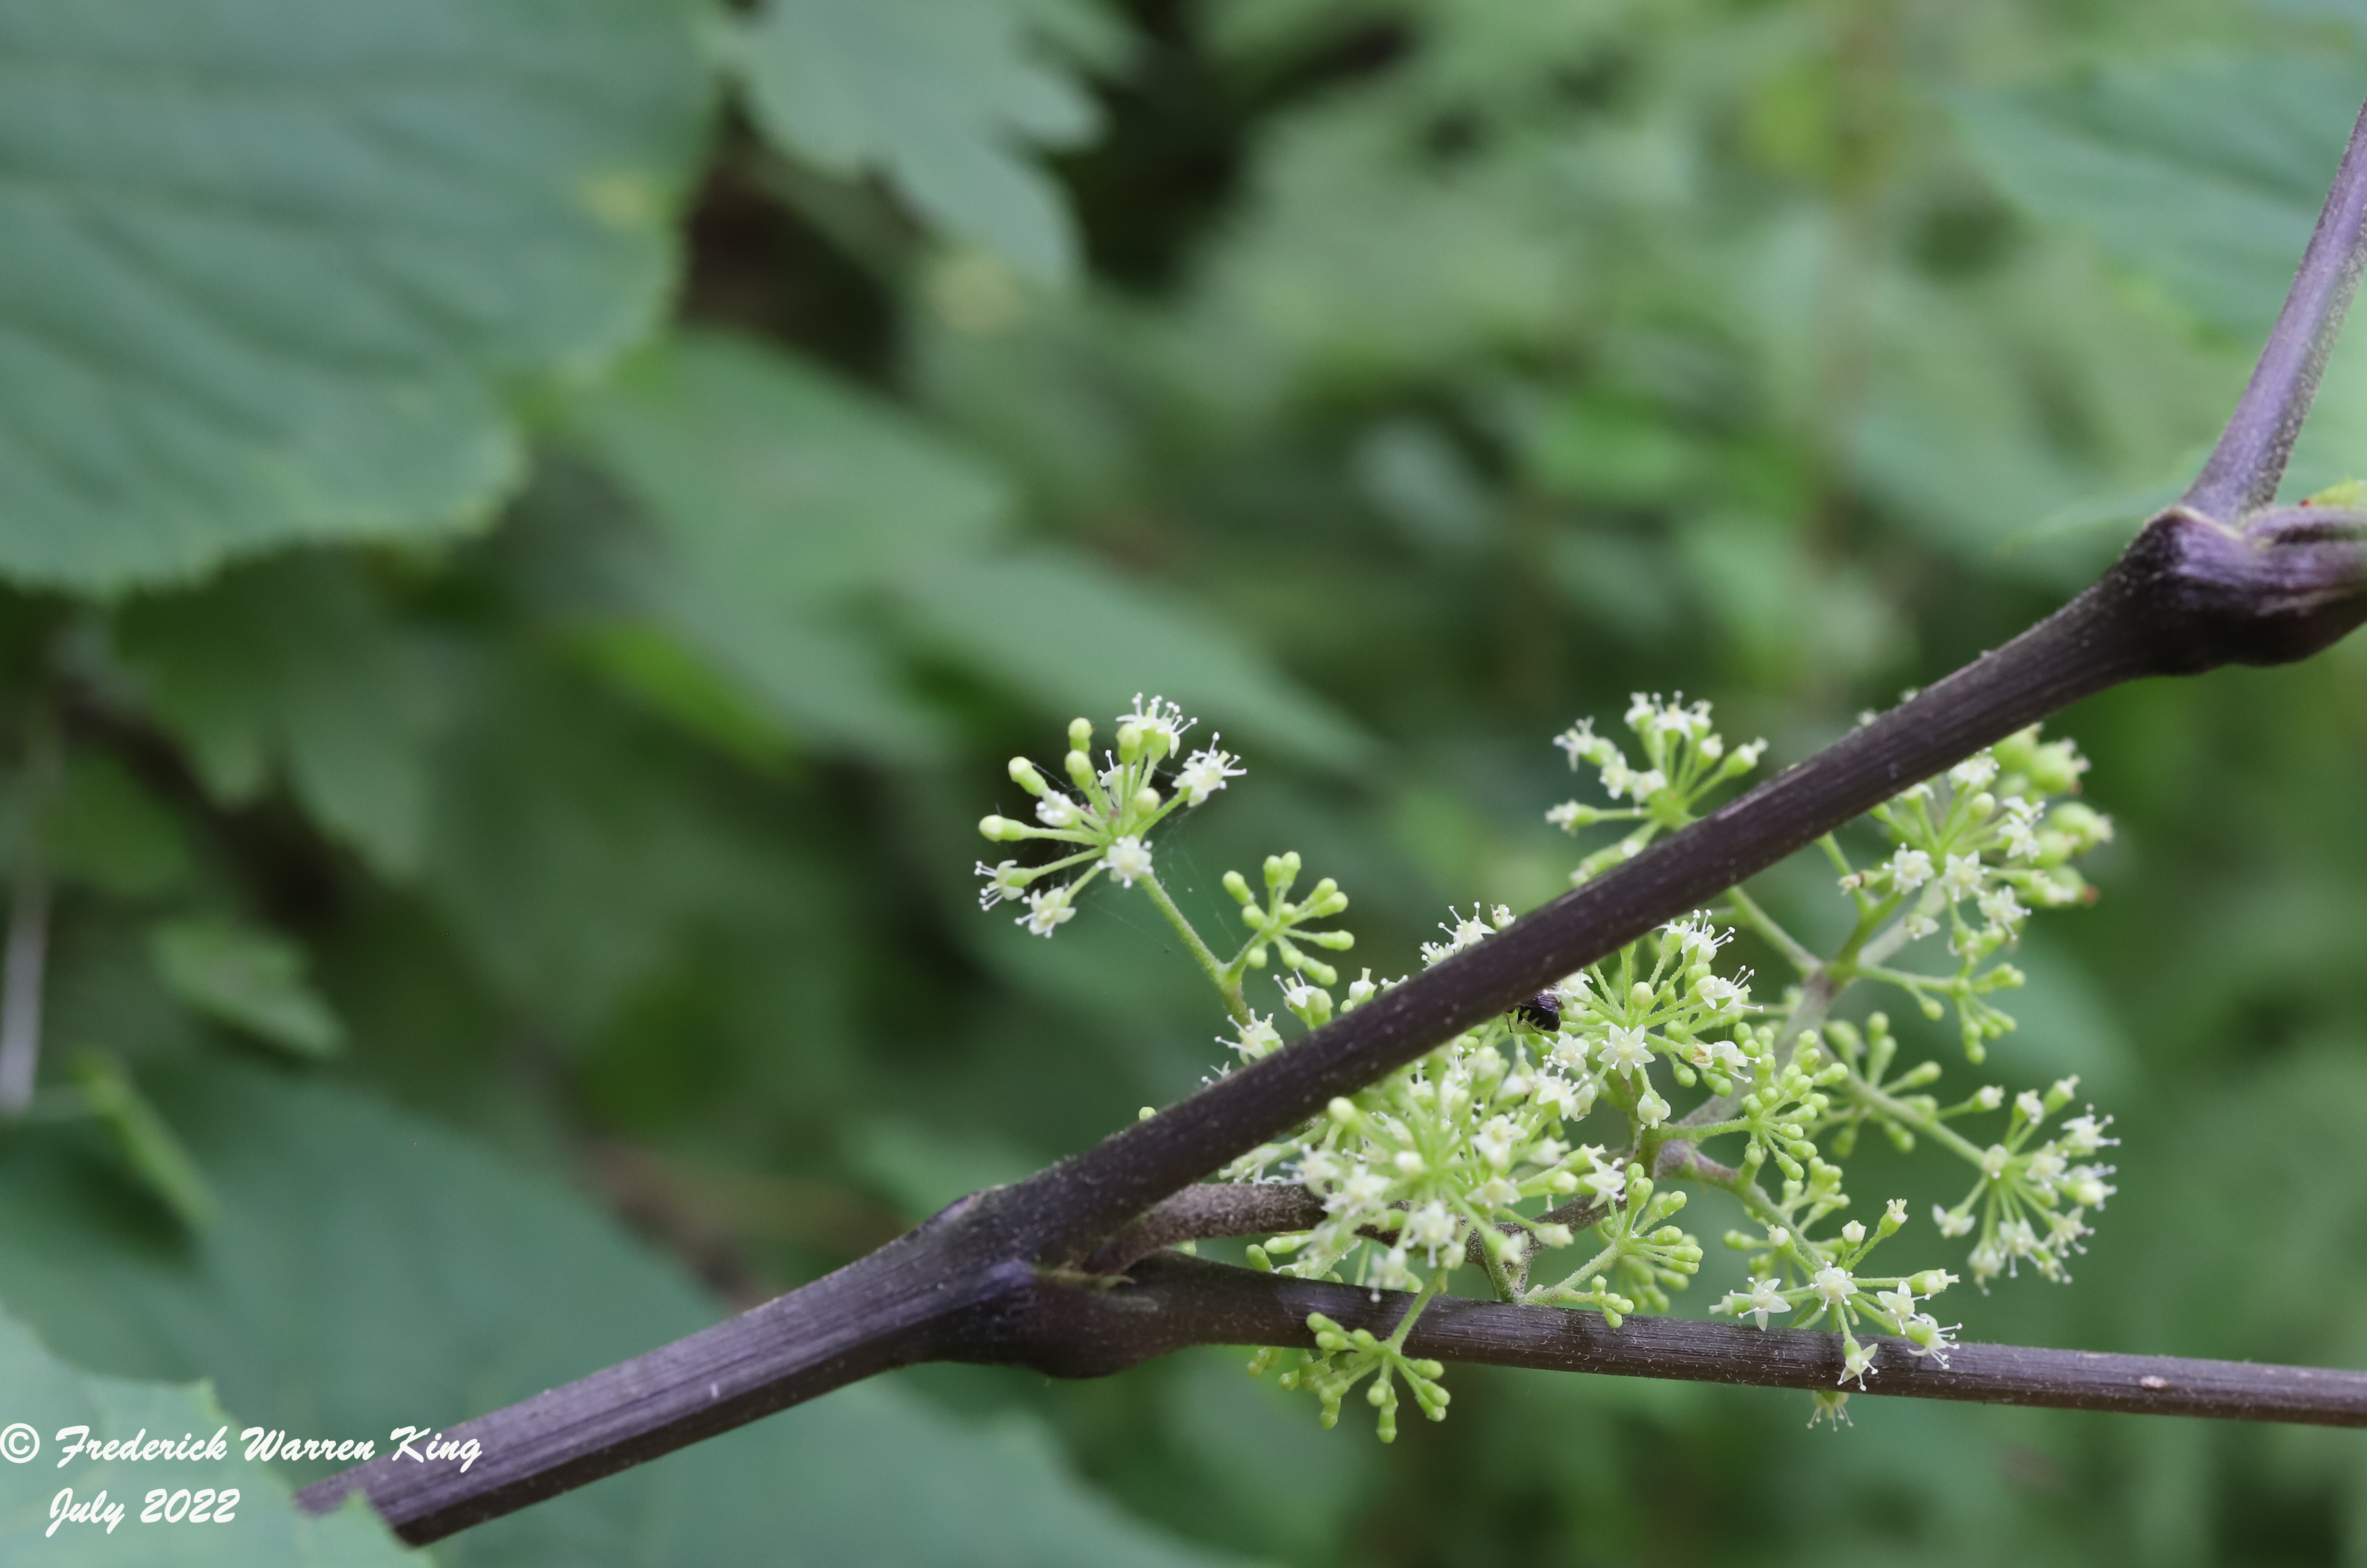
1081, 734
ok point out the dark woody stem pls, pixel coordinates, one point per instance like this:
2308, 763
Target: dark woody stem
2244, 468
1024, 1273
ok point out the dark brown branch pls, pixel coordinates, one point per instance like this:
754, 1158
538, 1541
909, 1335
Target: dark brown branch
2244, 468
996, 1277
1176, 1301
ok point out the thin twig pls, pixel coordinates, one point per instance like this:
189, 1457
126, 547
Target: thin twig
27, 960
20, 985
1201, 1212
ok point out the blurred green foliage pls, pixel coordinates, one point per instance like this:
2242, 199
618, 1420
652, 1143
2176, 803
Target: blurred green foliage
533, 527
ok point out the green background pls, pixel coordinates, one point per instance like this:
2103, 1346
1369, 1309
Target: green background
532, 526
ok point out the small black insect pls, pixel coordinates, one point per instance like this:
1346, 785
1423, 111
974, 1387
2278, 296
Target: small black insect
1541, 1012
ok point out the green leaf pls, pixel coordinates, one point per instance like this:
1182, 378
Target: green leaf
262, 1528
943, 97
144, 1139
294, 663
272, 263
778, 483
583, 854
2203, 175
372, 1270
249, 979
104, 828
1074, 635
777, 493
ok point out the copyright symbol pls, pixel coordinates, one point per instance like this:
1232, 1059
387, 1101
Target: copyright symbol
19, 1443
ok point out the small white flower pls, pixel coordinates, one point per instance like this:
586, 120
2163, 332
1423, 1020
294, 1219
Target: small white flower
1650, 1109
1917, 926
2085, 1134
1205, 772
1056, 810
2029, 1107
1568, 1098
1362, 1191
1765, 1297
2046, 1168
2021, 822
1834, 1285
1910, 870
1429, 1228
1046, 911
1727, 1056
1495, 1141
1007, 881
1900, 1303
1952, 1224
1857, 1361
1926, 1336
1853, 1232
2064, 1232
1580, 743
1162, 719
2002, 910
1989, 1097
1565, 816
1496, 1192
1963, 879
1723, 997
1320, 1168
1896, 1210
1468, 930
2087, 1186
1625, 1050
1300, 996
1258, 1038
1608, 1183
1993, 1161
1974, 772
1643, 786
1127, 860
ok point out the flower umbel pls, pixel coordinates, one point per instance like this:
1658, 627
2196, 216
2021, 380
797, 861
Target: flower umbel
1572, 1124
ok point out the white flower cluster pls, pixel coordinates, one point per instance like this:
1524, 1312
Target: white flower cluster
1616, 1018
1983, 838
1685, 759
2033, 1201
1791, 1275
1429, 1165
1109, 815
